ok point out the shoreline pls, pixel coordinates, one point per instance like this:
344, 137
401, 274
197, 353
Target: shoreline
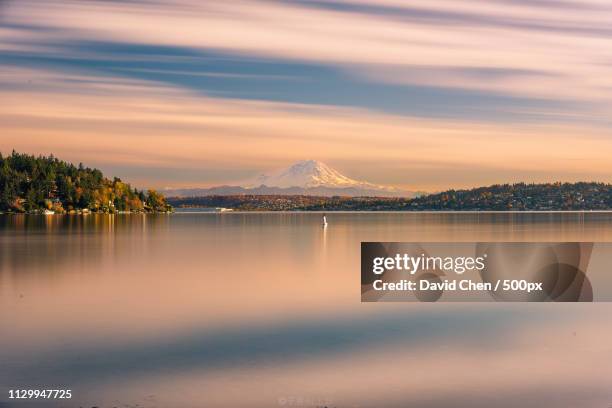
38, 213
230, 211
330, 212
398, 212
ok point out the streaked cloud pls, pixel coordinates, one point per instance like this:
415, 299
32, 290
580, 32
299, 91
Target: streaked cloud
502, 90
244, 77
358, 36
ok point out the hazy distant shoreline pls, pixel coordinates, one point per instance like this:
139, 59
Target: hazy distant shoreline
520, 197
181, 211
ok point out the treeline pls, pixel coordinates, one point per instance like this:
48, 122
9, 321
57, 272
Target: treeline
582, 196
33, 184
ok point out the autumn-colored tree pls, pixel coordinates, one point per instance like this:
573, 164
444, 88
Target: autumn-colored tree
29, 183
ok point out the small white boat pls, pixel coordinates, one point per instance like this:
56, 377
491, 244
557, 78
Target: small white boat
324, 221
48, 212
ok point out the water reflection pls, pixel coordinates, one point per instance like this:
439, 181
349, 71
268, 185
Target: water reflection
113, 305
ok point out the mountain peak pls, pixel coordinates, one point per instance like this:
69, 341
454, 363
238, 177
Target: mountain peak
309, 166
308, 162
307, 177
309, 174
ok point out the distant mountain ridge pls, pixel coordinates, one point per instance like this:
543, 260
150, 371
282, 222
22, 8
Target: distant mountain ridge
307, 177
265, 190
310, 174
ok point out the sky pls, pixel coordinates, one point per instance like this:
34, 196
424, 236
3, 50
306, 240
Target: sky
426, 95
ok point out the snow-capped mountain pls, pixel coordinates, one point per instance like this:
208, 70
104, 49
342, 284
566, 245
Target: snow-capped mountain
310, 174
307, 177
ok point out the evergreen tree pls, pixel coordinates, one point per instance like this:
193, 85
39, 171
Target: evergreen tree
29, 183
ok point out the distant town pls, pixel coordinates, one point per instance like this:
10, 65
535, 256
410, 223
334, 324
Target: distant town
583, 196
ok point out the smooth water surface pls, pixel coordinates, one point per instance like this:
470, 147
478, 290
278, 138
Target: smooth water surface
263, 310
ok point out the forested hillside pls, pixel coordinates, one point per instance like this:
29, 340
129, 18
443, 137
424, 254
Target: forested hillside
34, 184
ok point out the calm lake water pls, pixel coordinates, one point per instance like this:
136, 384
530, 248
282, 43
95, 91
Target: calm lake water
263, 310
